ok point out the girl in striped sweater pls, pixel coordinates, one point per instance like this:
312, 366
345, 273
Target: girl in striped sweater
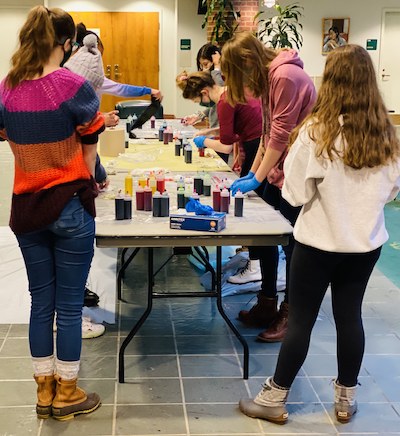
50, 118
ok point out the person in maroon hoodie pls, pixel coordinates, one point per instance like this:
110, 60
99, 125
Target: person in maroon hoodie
287, 94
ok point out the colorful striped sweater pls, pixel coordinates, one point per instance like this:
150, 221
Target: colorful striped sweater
47, 121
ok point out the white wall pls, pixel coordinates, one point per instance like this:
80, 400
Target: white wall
179, 19
189, 27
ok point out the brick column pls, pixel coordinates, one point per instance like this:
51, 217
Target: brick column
248, 9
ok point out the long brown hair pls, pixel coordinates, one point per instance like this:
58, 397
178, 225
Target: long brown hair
192, 84
43, 30
244, 62
349, 104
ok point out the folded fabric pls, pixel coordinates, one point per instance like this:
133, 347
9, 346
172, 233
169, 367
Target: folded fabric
199, 209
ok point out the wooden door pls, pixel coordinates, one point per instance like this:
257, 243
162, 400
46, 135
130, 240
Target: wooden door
131, 47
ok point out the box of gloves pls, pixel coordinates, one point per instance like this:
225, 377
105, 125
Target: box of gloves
204, 223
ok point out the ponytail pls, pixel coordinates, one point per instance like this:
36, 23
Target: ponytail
192, 84
43, 30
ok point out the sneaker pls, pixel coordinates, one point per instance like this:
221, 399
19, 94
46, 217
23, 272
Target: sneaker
250, 273
91, 298
91, 330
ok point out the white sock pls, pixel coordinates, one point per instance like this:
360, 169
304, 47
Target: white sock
67, 370
43, 365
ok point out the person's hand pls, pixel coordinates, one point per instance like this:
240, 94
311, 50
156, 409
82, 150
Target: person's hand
190, 119
156, 93
216, 58
111, 119
199, 141
104, 184
245, 185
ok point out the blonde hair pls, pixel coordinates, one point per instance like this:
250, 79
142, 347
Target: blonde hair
43, 30
245, 62
349, 90
192, 84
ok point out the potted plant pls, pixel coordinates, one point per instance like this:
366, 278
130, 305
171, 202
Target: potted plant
282, 29
225, 18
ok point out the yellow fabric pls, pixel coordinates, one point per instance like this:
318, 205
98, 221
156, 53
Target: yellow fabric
150, 153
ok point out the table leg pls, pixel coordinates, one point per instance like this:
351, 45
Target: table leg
227, 320
124, 266
136, 327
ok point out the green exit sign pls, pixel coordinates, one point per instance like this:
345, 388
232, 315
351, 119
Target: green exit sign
186, 44
372, 44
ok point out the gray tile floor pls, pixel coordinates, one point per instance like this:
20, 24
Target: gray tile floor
184, 368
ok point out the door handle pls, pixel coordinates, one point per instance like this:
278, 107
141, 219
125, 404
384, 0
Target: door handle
117, 74
108, 71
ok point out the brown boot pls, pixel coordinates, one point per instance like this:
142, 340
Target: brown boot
277, 331
46, 390
70, 400
261, 314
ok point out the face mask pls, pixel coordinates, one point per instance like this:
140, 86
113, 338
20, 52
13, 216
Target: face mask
67, 55
203, 104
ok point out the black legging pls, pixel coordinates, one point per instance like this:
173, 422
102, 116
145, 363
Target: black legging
311, 272
268, 255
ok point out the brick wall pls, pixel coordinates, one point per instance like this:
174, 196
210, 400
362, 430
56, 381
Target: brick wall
248, 9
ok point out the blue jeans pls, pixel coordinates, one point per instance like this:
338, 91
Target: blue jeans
57, 260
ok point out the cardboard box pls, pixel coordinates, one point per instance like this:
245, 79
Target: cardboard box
205, 223
112, 142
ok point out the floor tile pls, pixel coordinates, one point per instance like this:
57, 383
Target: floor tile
151, 366
15, 347
19, 420
204, 345
148, 391
16, 368
151, 345
214, 390
212, 419
370, 417
210, 366
98, 367
149, 419
304, 418
99, 423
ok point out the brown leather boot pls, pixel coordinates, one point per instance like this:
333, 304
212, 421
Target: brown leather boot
277, 331
261, 314
46, 390
70, 400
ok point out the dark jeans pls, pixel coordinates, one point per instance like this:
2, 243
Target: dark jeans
57, 261
311, 272
269, 255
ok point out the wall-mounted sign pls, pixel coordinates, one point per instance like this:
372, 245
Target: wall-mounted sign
186, 44
372, 44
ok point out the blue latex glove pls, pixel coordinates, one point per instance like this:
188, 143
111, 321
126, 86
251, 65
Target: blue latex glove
199, 141
249, 176
198, 208
245, 185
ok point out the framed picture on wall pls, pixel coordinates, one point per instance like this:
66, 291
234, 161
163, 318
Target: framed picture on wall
335, 33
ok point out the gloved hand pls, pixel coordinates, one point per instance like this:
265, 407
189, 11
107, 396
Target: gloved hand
199, 141
249, 176
245, 185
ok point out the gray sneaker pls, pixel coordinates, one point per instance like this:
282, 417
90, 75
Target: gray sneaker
345, 403
269, 404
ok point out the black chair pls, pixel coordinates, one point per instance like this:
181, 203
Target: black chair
136, 107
